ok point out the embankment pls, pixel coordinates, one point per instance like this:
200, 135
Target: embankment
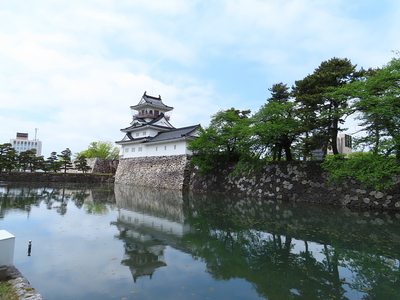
168, 172
298, 182
295, 181
56, 177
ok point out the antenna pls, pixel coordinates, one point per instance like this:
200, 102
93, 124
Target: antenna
36, 132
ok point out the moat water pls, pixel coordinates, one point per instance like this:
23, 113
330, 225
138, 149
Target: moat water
124, 242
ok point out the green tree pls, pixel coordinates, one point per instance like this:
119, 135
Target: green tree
27, 160
377, 100
100, 149
221, 141
8, 156
41, 164
373, 170
81, 164
322, 113
53, 163
65, 159
275, 126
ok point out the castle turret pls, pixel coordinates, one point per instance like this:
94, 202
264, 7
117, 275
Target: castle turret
151, 134
149, 108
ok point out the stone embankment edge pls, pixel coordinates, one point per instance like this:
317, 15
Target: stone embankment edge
165, 172
56, 177
294, 181
21, 285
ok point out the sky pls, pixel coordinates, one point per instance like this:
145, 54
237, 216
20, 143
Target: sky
70, 70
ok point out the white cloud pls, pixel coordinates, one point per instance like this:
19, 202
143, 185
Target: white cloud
72, 69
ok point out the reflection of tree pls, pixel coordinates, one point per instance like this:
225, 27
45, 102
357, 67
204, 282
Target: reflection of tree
258, 245
376, 276
266, 261
57, 197
96, 208
80, 196
98, 204
21, 199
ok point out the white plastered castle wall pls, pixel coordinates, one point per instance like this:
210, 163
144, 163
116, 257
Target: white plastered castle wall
155, 149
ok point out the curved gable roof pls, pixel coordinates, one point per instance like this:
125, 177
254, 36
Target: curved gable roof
177, 133
148, 100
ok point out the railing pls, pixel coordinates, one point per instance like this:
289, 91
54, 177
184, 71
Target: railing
148, 115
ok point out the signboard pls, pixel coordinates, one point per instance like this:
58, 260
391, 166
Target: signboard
23, 136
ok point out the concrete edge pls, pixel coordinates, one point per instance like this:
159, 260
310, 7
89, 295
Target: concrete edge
21, 285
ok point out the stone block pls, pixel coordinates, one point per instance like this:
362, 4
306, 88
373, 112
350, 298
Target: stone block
3, 273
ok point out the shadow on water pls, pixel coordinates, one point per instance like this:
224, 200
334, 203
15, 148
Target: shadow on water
284, 250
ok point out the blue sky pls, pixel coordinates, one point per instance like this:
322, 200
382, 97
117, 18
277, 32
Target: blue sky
73, 68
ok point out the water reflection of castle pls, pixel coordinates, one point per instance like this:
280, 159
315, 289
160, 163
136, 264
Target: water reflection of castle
149, 221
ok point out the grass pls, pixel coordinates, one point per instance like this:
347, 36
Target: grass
7, 292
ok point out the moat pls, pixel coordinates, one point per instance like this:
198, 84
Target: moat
124, 242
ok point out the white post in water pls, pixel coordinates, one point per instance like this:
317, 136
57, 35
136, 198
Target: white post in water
7, 242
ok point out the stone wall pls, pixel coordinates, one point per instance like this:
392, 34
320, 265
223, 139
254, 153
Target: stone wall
297, 182
160, 172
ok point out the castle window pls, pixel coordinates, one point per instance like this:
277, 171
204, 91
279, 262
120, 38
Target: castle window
156, 148
174, 147
144, 133
137, 133
126, 149
140, 149
165, 147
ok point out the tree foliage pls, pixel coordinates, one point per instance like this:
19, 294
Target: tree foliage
81, 164
27, 160
65, 159
220, 142
274, 128
100, 149
52, 162
377, 102
373, 170
322, 114
8, 157
309, 118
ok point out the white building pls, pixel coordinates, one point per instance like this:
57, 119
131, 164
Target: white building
344, 144
21, 143
151, 134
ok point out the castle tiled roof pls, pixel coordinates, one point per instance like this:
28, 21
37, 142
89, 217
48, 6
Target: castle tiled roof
142, 122
153, 101
172, 134
175, 134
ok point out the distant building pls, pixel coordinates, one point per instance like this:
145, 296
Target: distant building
21, 143
344, 145
151, 134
